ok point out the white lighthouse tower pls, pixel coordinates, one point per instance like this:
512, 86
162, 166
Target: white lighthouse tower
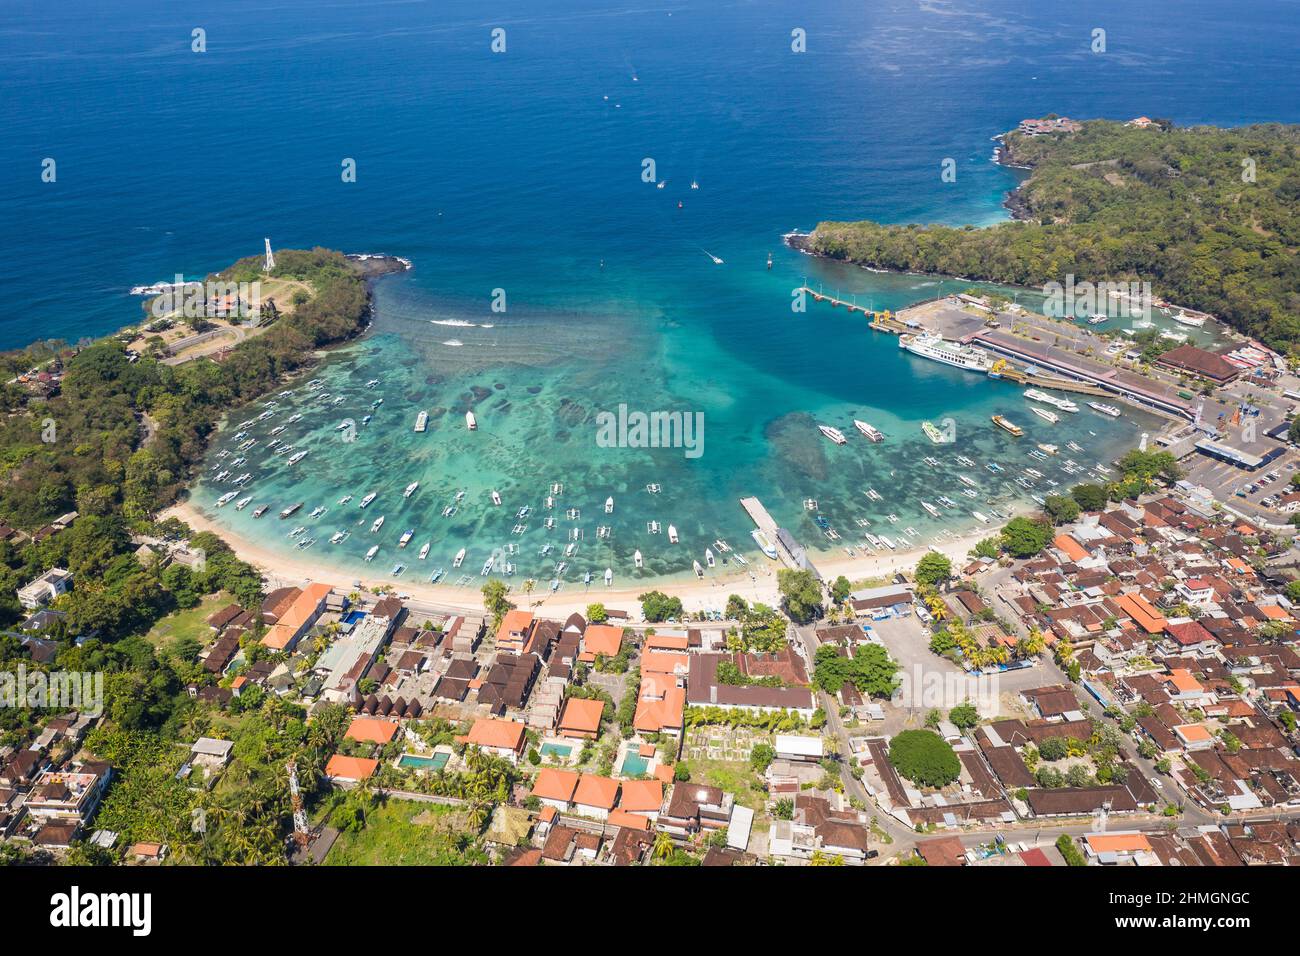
270, 256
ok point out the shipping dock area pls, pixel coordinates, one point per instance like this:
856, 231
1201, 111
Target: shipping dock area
1030, 349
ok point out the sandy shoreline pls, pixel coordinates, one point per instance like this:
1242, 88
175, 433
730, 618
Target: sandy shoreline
756, 583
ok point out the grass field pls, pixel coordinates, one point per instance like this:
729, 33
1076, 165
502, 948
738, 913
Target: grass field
191, 623
408, 833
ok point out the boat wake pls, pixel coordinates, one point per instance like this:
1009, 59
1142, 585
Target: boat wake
454, 343
461, 323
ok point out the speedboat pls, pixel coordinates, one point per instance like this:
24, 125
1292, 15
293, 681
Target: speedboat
867, 430
636, 559
345, 499
460, 556
374, 550
764, 543
708, 557
367, 499
338, 537
699, 571
378, 523
672, 534
609, 576
609, 505
317, 511
226, 498
1110, 410
487, 567
471, 422
406, 537
934, 512
424, 551
410, 489
496, 497
834, 434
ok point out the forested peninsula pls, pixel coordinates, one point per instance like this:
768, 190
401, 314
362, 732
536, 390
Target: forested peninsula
1210, 217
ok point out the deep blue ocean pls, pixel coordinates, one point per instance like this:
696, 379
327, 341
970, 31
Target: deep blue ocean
522, 170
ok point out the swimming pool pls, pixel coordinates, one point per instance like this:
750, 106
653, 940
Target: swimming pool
634, 765
416, 762
556, 750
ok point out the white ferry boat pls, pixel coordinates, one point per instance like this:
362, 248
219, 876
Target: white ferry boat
1110, 410
367, 499
868, 430
338, 537
225, 499
243, 503
1064, 404
934, 512
1195, 321
297, 457
937, 348
374, 550
421, 421
834, 434
1046, 416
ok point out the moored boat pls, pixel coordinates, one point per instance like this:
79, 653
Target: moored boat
868, 431
834, 434
1004, 423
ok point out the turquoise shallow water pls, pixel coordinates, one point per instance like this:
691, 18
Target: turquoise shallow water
537, 381
521, 172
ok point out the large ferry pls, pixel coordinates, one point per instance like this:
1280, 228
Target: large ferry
1009, 426
1182, 318
867, 430
1110, 410
936, 347
834, 434
1064, 404
1046, 416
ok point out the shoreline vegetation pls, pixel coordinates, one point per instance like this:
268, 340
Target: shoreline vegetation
117, 438
1210, 217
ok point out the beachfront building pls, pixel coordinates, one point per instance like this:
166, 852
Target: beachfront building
298, 619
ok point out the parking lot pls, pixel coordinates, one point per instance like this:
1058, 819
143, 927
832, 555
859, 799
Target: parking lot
1250, 492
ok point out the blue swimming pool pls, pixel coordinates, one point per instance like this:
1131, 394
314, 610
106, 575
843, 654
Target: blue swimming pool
416, 762
634, 765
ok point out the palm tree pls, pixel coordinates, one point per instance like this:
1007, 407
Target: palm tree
664, 847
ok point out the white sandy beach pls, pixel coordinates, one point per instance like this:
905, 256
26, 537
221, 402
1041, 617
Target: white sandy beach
757, 583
